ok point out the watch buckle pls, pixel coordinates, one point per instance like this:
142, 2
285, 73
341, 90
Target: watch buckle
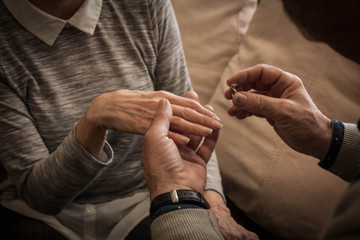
174, 196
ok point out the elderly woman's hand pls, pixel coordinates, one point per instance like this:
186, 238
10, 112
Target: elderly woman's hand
132, 112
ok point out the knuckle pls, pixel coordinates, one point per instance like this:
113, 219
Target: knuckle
257, 103
161, 92
164, 94
289, 108
297, 80
189, 110
192, 103
175, 121
262, 65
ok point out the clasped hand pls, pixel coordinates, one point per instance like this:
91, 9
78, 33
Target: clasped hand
132, 112
168, 166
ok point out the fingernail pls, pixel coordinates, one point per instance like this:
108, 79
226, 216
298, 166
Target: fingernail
161, 102
240, 100
211, 107
216, 117
219, 125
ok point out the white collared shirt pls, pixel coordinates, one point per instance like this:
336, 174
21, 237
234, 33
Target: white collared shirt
47, 27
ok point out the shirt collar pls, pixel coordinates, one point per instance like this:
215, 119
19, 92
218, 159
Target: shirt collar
47, 27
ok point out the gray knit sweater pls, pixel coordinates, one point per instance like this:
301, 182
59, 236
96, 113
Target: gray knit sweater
44, 91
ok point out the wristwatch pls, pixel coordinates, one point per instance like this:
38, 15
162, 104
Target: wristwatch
176, 197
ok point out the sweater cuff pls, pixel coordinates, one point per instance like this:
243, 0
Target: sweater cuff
213, 181
336, 142
186, 221
347, 163
106, 155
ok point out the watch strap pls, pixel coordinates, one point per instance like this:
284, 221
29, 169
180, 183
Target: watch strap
176, 197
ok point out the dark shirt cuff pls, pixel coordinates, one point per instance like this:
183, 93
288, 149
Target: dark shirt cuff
336, 142
173, 207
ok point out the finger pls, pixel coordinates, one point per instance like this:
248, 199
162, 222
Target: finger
193, 116
234, 111
161, 121
210, 108
253, 236
180, 125
207, 147
193, 95
263, 75
230, 92
188, 103
256, 115
270, 121
243, 115
159, 128
179, 139
189, 155
258, 104
195, 141
264, 78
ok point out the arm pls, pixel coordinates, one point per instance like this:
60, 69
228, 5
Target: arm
47, 177
347, 163
170, 79
345, 219
344, 223
30, 164
229, 228
166, 168
190, 224
282, 99
171, 74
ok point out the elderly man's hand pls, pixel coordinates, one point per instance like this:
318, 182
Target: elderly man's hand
168, 166
228, 227
281, 98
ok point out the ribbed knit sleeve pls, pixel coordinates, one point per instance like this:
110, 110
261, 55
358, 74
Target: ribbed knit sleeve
344, 223
46, 181
187, 224
347, 164
170, 73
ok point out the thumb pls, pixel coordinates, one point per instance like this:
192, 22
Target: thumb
161, 121
257, 104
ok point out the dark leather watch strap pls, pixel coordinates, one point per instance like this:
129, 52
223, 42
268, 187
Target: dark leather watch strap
181, 196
